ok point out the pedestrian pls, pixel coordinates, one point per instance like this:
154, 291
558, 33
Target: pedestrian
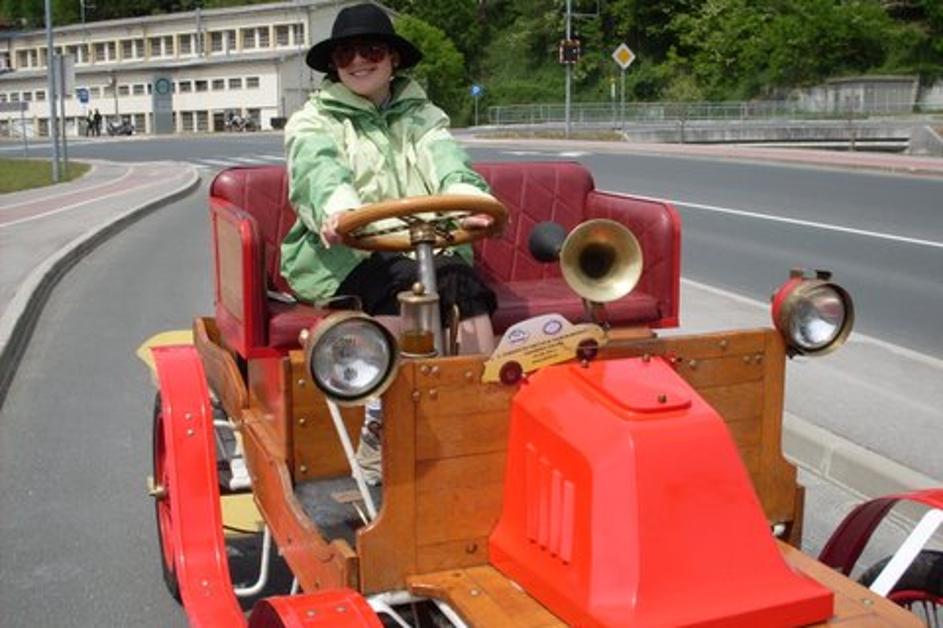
371, 134
89, 124
97, 123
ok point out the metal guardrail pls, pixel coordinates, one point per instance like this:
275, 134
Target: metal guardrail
616, 115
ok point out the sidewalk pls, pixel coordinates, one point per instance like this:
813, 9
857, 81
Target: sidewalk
45, 231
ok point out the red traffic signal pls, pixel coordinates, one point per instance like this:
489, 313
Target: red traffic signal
569, 50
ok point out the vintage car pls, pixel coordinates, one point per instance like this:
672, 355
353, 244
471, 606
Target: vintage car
613, 478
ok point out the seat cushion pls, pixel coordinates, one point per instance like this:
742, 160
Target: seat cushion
518, 300
286, 322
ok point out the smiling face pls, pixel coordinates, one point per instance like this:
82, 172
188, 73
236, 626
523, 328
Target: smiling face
365, 67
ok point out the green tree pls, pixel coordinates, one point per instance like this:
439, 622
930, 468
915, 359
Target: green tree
441, 71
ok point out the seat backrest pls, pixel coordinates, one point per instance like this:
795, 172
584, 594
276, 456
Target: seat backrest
533, 192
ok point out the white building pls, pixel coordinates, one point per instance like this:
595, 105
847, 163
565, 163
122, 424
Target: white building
248, 60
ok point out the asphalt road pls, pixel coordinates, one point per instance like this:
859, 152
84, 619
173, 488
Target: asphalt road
77, 541
745, 224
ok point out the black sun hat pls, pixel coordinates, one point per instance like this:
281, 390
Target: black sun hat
362, 21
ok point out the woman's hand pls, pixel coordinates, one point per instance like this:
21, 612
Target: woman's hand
477, 221
329, 235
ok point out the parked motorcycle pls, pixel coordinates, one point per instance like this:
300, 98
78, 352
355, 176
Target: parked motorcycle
236, 122
124, 127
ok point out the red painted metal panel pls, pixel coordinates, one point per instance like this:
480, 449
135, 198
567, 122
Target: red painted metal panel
193, 490
664, 528
333, 608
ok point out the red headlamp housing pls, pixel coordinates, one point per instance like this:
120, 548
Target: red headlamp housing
813, 314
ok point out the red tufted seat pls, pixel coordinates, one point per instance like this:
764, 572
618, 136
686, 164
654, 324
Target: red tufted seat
251, 214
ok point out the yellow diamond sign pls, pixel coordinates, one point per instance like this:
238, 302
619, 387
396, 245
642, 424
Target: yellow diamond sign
624, 56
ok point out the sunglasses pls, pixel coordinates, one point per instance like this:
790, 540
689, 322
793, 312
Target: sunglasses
374, 52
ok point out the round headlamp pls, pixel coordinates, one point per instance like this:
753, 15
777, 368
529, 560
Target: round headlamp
814, 315
351, 357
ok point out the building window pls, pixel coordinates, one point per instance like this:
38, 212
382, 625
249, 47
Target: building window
94, 92
82, 55
186, 120
185, 87
139, 123
235, 83
15, 97
108, 90
123, 90
216, 41
298, 33
202, 121
99, 52
219, 84
34, 58
200, 86
3, 97
248, 38
22, 58
168, 45
139, 48
252, 82
256, 116
27, 96
139, 89
185, 44
231, 40
263, 37
282, 35
111, 51
154, 43
127, 49
40, 95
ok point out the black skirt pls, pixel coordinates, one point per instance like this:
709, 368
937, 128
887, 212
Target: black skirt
378, 279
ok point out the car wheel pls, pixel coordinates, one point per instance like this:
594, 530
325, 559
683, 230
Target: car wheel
162, 503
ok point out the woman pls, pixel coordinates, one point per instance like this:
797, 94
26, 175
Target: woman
368, 135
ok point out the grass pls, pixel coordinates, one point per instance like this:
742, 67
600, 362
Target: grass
25, 174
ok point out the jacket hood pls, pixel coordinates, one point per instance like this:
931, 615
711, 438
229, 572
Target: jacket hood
335, 97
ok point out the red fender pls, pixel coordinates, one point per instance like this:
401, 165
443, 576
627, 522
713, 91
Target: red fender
848, 540
193, 490
333, 608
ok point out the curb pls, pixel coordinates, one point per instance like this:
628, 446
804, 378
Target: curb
19, 320
852, 467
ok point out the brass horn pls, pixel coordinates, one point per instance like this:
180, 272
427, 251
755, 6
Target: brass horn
601, 260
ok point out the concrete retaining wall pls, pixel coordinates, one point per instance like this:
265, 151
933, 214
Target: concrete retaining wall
924, 140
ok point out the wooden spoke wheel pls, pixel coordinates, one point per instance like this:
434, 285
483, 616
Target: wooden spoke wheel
162, 502
446, 212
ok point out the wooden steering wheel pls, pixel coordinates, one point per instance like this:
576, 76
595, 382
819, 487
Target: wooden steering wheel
352, 226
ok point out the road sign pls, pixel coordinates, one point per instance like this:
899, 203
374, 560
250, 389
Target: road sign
624, 56
477, 90
81, 94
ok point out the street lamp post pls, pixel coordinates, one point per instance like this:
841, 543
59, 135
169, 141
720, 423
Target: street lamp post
569, 68
53, 123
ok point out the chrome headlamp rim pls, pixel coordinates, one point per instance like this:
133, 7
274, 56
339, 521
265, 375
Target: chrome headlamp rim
798, 290
311, 340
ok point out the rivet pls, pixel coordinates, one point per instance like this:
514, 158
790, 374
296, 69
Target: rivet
724, 343
302, 420
475, 592
471, 548
746, 359
301, 382
416, 396
433, 393
867, 601
204, 583
584, 363
758, 358
692, 364
190, 432
647, 357
424, 369
662, 398
469, 375
310, 613
303, 468
435, 371
341, 609
188, 416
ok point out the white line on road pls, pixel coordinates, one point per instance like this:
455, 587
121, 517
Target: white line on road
217, 162
574, 153
248, 160
272, 157
796, 221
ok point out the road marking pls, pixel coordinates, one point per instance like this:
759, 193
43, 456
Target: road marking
574, 153
248, 160
272, 157
217, 162
796, 221
522, 153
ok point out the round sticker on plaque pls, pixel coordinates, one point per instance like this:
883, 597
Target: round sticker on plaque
162, 86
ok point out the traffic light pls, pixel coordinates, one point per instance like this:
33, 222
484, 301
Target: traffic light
569, 50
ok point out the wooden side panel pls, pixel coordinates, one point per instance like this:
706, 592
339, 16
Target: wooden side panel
270, 392
316, 563
229, 251
387, 547
220, 365
317, 452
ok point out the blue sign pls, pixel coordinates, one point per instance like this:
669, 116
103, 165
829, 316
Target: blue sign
477, 90
82, 94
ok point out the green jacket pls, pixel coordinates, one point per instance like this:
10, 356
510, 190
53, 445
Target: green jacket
344, 152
